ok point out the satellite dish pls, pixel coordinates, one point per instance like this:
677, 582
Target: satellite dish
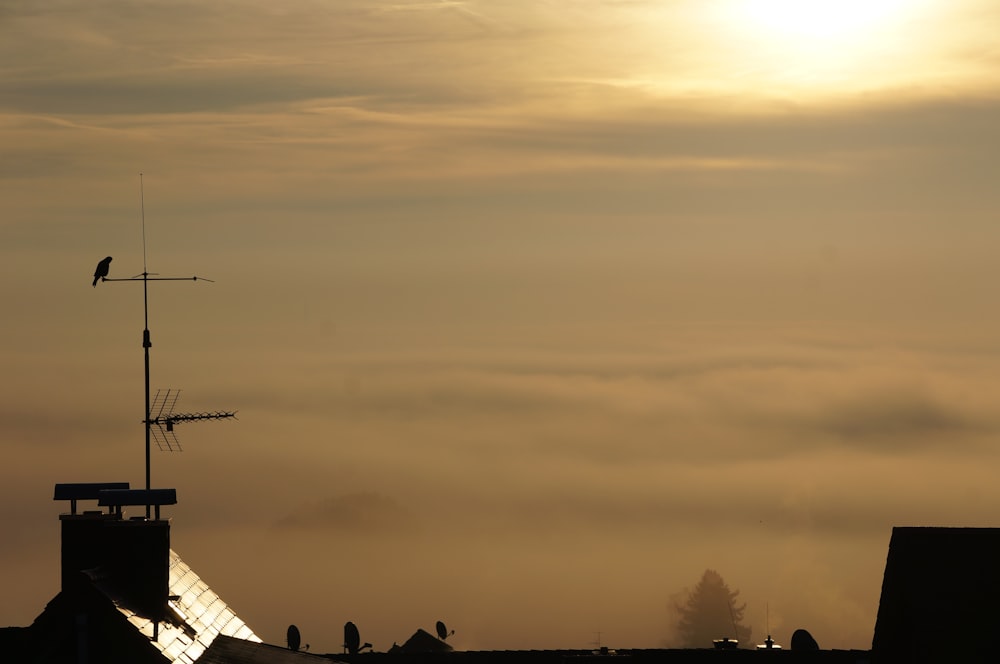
294, 638
442, 631
352, 639
803, 640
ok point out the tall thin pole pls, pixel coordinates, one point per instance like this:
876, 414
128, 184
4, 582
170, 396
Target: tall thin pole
146, 343
145, 278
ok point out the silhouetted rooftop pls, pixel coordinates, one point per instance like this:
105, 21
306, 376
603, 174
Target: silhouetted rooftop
117, 632
939, 596
230, 650
422, 642
621, 656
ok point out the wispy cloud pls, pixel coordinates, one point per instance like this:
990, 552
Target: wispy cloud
549, 301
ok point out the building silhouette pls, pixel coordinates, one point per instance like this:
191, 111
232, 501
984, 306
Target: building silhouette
127, 597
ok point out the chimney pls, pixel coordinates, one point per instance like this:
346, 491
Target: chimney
128, 557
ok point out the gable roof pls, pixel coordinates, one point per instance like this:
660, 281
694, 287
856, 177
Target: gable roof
422, 642
939, 595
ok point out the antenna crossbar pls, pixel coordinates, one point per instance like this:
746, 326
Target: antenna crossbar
142, 278
191, 417
160, 427
163, 431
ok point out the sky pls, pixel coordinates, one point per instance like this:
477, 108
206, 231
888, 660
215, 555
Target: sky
531, 311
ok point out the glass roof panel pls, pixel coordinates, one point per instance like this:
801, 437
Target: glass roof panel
201, 616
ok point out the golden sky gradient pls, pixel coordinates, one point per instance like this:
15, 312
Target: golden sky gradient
532, 311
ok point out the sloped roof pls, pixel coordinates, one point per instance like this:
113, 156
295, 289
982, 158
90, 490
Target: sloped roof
940, 595
198, 616
229, 650
422, 642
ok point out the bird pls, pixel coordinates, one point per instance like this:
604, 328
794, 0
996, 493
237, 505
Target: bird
102, 270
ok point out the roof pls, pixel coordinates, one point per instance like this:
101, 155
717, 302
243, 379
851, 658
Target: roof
939, 595
616, 656
14, 642
422, 642
230, 650
199, 616
116, 632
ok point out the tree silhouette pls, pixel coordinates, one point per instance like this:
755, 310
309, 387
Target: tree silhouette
711, 613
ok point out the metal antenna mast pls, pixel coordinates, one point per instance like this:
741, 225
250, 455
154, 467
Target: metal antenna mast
161, 420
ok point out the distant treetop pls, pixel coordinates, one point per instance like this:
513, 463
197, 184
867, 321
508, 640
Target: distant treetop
711, 613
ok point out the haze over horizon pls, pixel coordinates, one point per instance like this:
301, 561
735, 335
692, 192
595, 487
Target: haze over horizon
531, 312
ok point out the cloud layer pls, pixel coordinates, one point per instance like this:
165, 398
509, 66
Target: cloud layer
531, 311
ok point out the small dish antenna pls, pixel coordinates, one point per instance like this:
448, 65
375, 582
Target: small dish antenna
294, 638
352, 639
442, 631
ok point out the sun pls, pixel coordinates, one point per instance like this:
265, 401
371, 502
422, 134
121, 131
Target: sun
824, 20
768, 53
815, 47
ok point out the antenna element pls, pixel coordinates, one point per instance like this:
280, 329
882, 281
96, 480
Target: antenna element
165, 417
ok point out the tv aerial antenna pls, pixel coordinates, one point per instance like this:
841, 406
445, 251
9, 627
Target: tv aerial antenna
163, 424
165, 418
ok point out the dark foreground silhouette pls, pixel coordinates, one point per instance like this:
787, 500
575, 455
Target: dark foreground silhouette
102, 270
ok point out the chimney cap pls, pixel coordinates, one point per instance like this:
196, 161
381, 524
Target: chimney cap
123, 497
85, 490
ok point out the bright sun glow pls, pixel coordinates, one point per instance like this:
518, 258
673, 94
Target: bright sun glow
822, 19
819, 46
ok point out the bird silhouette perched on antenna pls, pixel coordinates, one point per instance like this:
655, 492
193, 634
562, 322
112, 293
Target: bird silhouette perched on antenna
102, 270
